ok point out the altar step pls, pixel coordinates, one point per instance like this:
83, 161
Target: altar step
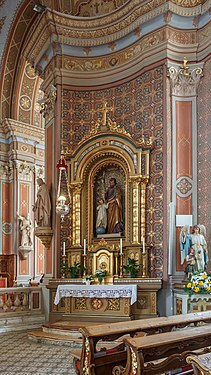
60, 333
11, 322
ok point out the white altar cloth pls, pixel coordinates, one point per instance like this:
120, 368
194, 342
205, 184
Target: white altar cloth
97, 291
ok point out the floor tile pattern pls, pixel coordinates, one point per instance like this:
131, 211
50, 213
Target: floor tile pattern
21, 356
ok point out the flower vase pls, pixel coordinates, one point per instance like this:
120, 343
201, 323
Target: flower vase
100, 280
88, 282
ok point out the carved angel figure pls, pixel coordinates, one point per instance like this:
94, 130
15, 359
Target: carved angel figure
198, 243
25, 226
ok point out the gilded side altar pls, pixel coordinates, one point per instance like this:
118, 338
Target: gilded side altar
108, 155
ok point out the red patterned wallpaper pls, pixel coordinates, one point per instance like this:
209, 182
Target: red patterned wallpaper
138, 106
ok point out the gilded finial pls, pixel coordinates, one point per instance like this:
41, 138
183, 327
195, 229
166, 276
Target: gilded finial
185, 63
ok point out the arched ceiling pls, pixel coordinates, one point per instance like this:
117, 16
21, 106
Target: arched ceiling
19, 85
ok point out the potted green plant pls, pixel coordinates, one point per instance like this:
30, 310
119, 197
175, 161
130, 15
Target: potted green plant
132, 267
76, 269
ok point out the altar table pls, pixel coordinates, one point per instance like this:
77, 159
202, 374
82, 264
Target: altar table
97, 291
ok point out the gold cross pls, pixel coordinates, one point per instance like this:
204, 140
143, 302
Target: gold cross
105, 109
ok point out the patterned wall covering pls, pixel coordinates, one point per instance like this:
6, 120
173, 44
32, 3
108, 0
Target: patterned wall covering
138, 106
204, 152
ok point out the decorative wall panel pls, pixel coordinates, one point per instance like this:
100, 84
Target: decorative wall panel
138, 107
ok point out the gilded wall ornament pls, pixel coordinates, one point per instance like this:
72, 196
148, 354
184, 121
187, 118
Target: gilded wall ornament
25, 103
30, 71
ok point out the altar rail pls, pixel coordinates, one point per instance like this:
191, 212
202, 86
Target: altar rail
20, 299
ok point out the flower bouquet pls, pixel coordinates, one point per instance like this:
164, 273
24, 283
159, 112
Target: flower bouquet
100, 274
88, 279
199, 283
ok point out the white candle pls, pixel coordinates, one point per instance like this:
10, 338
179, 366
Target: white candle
143, 244
84, 246
120, 245
64, 253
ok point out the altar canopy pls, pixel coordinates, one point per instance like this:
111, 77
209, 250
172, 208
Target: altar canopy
97, 291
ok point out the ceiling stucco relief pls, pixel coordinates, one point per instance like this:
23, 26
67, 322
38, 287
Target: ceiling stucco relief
87, 32
11, 60
188, 3
86, 8
27, 112
140, 49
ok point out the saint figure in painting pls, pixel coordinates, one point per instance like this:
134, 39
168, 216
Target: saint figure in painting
113, 197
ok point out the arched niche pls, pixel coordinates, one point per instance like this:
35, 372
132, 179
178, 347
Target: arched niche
109, 155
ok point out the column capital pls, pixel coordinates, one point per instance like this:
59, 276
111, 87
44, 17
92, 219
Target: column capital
184, 79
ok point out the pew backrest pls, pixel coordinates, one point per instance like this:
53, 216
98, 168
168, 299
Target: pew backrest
108, 332
144, 354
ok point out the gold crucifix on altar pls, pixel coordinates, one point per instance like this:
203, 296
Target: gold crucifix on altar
105, 109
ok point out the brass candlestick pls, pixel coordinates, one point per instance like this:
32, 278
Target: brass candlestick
116, 265
84, 263
144, 261
121, 265
63, 267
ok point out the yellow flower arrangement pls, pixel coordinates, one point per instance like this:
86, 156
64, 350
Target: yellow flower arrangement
199, 283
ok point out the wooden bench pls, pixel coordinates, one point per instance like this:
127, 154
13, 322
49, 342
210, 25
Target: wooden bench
96, 359
201, 363
157, 354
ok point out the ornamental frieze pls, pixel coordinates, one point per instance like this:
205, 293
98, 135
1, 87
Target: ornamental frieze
89, 8
182, 37
115, 59
205, 33
188, 3
86, 32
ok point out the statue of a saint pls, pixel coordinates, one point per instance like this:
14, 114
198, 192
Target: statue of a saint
184, 242
198, 243
26, 230
42, 207
113, 197
102, 214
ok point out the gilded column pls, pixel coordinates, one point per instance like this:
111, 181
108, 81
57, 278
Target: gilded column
135, 210
76, 214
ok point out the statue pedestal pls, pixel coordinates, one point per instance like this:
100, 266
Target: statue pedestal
184, 303
25, 250
45, 235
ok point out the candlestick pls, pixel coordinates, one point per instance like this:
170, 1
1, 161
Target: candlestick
121, 266
84, 262
120, 245
84, 246
64, 253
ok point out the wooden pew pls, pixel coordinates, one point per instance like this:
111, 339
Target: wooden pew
157, 354
201, 363
96, 360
